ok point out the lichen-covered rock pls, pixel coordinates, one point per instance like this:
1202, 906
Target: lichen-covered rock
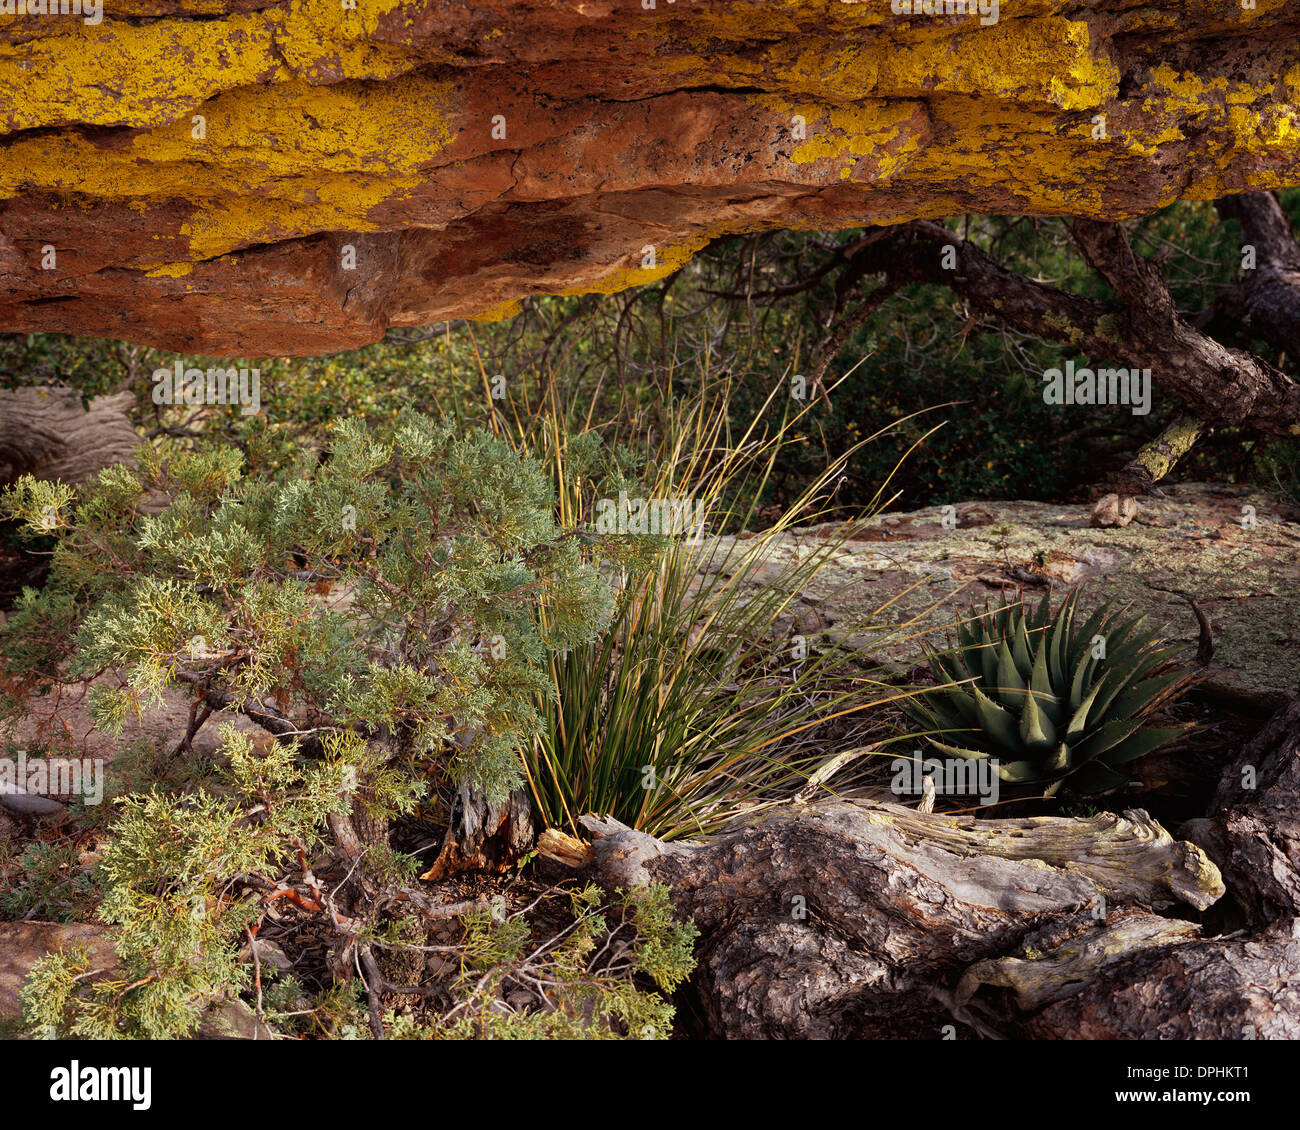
1233, 550
242, 177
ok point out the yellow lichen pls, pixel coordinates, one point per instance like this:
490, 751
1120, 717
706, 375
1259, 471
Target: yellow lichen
171, 271
312, 121
274, 163
666, 261
499, 312
117, 73
870, 141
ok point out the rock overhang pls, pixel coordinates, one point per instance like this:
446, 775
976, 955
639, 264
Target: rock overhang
240, 178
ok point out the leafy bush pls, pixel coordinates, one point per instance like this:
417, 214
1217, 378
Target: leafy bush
188, 881
390, 590
53, 886
582, 983
168, 870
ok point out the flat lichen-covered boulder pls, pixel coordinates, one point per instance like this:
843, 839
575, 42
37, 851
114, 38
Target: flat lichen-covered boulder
1233, 550
238, 177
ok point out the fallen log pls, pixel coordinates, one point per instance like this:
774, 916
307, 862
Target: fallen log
860, 919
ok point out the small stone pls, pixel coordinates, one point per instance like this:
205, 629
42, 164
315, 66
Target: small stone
25, 804
269, 954
1113, 511
440, 965
233, 1020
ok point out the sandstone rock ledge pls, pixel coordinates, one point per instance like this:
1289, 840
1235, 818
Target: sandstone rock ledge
252, 177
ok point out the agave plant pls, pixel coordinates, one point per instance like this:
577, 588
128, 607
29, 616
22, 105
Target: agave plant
1047, 700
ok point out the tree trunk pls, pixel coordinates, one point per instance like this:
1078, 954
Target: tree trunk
47, 432
1253, 831
1269, 291
483, 836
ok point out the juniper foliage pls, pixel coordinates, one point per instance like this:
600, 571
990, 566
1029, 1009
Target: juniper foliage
387, 612
392, 590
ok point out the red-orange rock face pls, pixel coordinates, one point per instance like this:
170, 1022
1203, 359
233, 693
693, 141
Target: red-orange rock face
295, 177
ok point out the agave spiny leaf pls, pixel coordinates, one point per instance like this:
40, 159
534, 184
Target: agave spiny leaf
1038, 621
1020, 772
988, 654
1140, 696
1121, 679
953, 710
1142, 742
1040, 684
1104, 739
1082, 682
1011, 684
1062, 634
955, 664
997, 721
1081, 643
960, 751
1021, 651
1030, 690
1117, 638
1080, 722
1036, 729
1005, 623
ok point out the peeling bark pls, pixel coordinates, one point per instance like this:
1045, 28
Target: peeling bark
483, 836
1253, 829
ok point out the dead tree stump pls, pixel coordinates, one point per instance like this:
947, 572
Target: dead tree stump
865, 920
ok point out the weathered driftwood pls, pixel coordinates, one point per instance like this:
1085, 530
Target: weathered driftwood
1225, 988
1141, 977
47, 432
1050, 968
867, 919
845, 919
